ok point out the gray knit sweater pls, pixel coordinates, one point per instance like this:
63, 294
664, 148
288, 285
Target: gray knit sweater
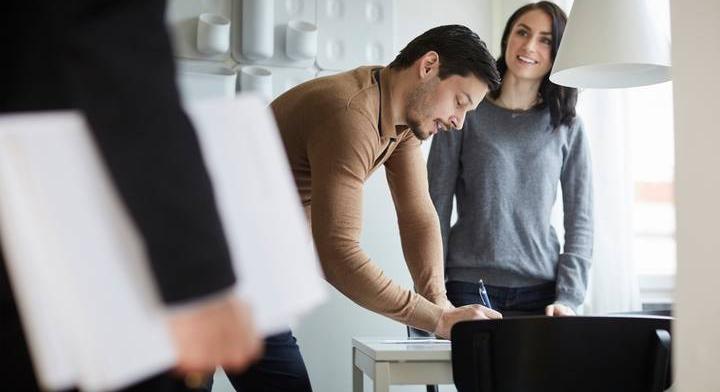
503, 168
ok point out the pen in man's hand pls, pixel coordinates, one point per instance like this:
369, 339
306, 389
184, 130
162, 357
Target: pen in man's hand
483, 295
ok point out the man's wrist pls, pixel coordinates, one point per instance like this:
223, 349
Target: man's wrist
437, 297
425, 314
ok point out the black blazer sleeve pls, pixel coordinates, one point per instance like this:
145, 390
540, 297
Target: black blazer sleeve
112, 59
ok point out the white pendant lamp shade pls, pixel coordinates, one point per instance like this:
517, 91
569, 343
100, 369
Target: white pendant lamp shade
612, 44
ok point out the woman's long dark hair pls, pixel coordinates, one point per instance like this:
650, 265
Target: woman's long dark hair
560, 100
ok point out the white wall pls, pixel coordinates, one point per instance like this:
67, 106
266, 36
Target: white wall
414, 17
325, 335
695, 55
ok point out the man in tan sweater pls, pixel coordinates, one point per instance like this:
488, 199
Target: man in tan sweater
338, 130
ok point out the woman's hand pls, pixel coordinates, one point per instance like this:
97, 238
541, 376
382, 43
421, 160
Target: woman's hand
559, 310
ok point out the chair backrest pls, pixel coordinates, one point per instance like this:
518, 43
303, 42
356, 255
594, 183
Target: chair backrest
562, 354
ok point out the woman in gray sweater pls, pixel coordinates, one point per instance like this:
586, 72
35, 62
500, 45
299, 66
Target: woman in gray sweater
504, 168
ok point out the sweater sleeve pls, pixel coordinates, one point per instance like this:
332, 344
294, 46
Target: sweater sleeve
417, 220
576, 181
443, 168
340, 159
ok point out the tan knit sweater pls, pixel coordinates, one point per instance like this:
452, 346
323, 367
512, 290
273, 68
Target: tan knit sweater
330, 130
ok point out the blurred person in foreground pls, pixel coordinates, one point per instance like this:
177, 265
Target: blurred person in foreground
112, 60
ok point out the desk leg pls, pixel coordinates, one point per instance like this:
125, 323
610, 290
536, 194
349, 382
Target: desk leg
381, 382
357, 376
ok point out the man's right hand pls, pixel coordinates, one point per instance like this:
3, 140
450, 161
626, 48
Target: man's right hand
468, 312
217, 333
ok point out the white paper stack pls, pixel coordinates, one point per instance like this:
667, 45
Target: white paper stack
77, 264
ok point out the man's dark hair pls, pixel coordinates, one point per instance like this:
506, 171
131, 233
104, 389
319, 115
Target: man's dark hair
461, 53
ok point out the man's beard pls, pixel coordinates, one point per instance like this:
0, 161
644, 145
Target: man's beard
416, 130
417, 108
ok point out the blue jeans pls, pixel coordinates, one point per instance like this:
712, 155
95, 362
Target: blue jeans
510, 301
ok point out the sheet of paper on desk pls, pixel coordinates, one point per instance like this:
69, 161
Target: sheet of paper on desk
76, 261
415, 341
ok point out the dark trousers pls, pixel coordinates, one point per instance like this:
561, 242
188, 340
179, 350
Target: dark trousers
16, 370
280, 369
510, 301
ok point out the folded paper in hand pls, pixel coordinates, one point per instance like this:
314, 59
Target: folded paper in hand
91, 311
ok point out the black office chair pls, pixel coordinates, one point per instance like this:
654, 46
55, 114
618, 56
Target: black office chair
562, 354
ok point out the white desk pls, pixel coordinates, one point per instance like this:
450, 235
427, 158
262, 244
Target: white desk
415, 363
